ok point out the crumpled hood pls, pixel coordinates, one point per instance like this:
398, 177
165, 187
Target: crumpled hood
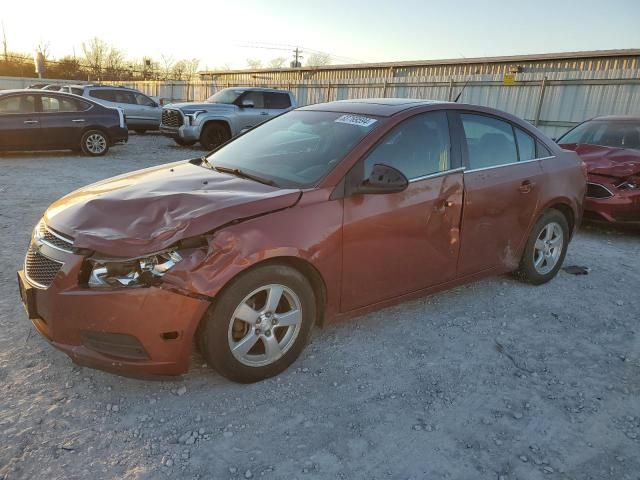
148, 210
608, 161
209, 107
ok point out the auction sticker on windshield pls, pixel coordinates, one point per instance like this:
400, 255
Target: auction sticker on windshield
357, 120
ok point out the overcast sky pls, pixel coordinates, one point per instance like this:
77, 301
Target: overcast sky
228, 32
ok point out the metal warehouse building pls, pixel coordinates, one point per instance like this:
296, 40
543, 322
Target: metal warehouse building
553, 91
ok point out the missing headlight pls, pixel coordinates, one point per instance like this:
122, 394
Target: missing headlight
133, 272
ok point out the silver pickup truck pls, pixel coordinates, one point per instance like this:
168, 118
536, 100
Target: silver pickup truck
224, 115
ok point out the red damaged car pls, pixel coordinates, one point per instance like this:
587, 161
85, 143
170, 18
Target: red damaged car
610, 147
324, 212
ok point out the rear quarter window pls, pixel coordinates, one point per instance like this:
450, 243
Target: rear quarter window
277, 100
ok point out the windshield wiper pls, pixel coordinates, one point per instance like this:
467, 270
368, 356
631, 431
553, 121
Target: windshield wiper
243, 174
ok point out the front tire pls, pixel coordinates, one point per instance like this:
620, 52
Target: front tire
213, 135
259, 325
545, 249
94, 143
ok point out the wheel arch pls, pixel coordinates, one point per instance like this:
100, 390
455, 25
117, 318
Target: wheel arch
217, 120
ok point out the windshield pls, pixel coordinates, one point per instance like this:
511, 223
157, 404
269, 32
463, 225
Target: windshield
295, 149
607, 134
228, 95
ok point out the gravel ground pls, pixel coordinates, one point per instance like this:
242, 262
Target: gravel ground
495, 380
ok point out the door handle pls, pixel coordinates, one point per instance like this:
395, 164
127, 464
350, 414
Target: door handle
78, 120
31, 122
526, 186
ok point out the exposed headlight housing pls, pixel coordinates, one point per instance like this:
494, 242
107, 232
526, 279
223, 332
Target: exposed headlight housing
133, 272
629, 184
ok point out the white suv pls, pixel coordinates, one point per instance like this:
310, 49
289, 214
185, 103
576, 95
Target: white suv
143, 113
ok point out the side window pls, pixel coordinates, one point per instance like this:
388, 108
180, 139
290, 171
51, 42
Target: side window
542, 151
59, 104
526, 145
106, 95
490, 141
417, 147
76, 91
18, 104
124, 96
256, 97
144, 100
277, 101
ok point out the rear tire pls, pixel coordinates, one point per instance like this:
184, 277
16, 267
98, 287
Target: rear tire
259, 325
213, 135
545, 249
184, 143
94, 143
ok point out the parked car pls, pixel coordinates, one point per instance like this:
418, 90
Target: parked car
45, 120
610, 148
143, 112
223, 115
38, 85
54, 87
321, 213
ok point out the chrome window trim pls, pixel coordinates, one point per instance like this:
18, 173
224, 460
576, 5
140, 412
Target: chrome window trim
611, 194
509, 164
437, 174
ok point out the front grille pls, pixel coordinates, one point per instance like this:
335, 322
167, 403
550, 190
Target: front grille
54, 239
39, 269
171, 118
595, 190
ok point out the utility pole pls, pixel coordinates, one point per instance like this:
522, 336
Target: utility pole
4, 43
297, 57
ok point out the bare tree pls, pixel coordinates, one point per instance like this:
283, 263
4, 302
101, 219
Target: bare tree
254, 63
278, 62
43, 48
179, 69
95, 52
318, 59
114, 63
4, 43
167, 66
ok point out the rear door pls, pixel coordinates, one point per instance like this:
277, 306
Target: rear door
398, 243
147, 111
63, 120
276, 103
19, 122
502, 183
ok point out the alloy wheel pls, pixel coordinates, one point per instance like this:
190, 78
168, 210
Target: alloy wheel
96, 143
548, 248
265, 325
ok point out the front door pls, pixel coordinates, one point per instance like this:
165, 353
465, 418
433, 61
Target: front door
398, 243
19, 122
501, 193
249, 117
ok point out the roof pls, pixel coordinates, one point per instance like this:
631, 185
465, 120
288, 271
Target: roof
617, 118
384, 107
536, 57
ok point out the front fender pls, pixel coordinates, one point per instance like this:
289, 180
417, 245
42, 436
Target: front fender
204, 118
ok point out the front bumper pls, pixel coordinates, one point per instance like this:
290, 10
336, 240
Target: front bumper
622, 207
188, 133
140, 332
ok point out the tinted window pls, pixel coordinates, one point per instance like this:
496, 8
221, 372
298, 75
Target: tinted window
144, 100
103, 95
18, 104
526, 145
418, 146
256, 97
76, 91
543, 151
59, 104
277, 100
490, 141
608, 134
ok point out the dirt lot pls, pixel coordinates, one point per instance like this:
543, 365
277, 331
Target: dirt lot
494, 380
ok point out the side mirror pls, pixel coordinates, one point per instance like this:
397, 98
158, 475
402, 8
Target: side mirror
383, 179
247, 104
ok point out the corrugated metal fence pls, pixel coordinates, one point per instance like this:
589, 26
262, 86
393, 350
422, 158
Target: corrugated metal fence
554, 100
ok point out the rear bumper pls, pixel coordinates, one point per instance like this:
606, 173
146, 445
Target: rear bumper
119, 135
140, 332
